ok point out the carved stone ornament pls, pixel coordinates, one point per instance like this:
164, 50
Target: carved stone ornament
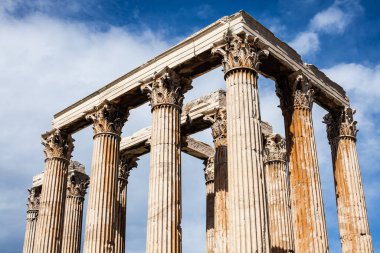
57, 144
209, 170
340, 124
298, 93
274, 149
240, 51
77, 184
107, 118
219, 126
166, 88
34, 199
127, 163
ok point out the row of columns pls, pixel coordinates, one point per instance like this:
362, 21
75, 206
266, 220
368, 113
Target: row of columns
244, 210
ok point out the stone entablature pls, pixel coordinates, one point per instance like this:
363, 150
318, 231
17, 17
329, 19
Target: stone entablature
192, 58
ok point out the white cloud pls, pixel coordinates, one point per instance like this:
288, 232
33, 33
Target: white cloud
47, 64
305, 43
333, 20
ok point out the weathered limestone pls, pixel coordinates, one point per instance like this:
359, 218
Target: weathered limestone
278, 198
108, 121
352, 213
192, 57
296, 97
127, 163
31, 218
219, 134
248, 230
58, 148
210, 197
77, 183
165, 91
240, 216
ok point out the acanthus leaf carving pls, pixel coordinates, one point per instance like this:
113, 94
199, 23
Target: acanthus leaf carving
296, 92
127, 163
57, 144
240, 51
77, 184
340, 124
166, 88
107, 118
209, 170
274, 148
219, 126
34, 198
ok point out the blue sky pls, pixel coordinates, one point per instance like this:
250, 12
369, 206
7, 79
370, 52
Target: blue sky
53, 53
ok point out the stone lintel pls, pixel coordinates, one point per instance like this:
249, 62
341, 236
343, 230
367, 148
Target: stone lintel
192, 57
197, 149
192, 121
37, 180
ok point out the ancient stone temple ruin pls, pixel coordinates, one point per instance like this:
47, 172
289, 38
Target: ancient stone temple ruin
263, 191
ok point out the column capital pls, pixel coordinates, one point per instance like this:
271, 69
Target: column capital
240, 51
340, 124
274, 148
219, 127
295, 92
107, 117
166, 88
34, 198
127, 163
209, 170
77, 181
58, 144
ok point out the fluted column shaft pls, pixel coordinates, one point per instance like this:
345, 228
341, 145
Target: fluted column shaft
210, 197
72, 230
219, 134
210, 217
126, 165
306, 192
58, 149
100, 221
164, 199
31, 219
221, 191
30, 232
121, 212
164, 206
278, 197
354, 229
248, 230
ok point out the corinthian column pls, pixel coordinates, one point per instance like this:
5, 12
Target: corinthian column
31, 218
165, 91
219, 134
278, 199
352, 212
296, 97
107, 121
210, 196
248, 230
127, 163
77, 183
58, 148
